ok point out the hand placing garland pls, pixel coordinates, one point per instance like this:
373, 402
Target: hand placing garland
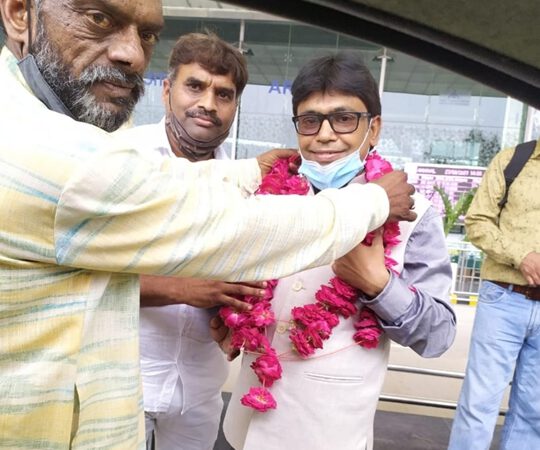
312, 323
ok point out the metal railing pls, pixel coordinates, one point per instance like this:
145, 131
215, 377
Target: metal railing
466, 263
421, 401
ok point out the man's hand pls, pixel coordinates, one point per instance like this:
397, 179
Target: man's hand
399, 195
161, 291
267, 159
530, 268
363, 267
222, 335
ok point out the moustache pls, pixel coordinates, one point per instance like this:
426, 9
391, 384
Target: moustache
114, 75
196, 113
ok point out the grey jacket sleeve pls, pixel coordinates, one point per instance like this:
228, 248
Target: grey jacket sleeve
413, 309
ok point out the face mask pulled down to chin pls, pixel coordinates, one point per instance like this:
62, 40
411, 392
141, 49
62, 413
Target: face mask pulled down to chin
193, 149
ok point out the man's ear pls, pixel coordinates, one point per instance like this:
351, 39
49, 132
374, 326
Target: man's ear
165, 94
16, 20
376, 124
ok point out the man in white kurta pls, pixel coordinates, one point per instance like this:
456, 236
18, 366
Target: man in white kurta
182, 368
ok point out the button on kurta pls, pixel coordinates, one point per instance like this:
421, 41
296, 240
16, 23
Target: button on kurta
297, 286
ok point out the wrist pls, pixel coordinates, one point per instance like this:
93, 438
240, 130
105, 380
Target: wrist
176, 290
377, 284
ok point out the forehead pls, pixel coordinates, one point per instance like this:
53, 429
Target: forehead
326, 102
145, 13
196, 72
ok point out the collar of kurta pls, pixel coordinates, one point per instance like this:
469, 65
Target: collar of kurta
27, 72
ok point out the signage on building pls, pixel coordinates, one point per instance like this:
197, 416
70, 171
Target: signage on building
455, 180
280, 88
455, 97
154, 78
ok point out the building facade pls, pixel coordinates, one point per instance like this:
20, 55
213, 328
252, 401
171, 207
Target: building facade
431, 115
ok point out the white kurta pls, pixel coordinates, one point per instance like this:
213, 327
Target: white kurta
327, 401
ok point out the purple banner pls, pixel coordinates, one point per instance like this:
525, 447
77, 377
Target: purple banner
455, 180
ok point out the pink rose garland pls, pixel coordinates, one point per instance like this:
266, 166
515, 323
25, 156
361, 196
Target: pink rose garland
313, 323
259, 399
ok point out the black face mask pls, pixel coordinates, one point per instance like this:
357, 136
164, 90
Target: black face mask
31, 73
193, 149
39, 86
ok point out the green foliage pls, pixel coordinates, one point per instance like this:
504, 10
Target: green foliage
452, 212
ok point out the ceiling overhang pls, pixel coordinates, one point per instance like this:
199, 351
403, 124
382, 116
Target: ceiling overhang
518, 76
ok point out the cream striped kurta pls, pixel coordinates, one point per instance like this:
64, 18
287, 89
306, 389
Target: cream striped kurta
80, 214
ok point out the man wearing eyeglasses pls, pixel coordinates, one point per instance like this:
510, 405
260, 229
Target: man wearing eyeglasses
333, 165
328, 399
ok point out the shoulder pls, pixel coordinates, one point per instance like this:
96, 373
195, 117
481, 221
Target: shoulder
424, 222
503, 157
427, 233
421, 201
221, 153
145, 137
430, 221
138, 132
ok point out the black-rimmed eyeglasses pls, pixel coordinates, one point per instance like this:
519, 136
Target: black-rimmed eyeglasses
342, 122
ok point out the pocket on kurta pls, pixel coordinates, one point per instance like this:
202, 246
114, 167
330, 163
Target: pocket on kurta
334, 379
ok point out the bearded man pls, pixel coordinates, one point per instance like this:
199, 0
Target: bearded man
83, 215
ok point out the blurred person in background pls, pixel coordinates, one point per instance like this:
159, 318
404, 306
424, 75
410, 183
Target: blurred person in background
505, 340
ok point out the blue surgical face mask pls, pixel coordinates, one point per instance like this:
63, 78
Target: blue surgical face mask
336, 174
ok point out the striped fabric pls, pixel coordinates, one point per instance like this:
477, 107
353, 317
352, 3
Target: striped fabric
80, 214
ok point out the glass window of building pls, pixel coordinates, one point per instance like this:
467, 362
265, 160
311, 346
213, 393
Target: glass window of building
431, 115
